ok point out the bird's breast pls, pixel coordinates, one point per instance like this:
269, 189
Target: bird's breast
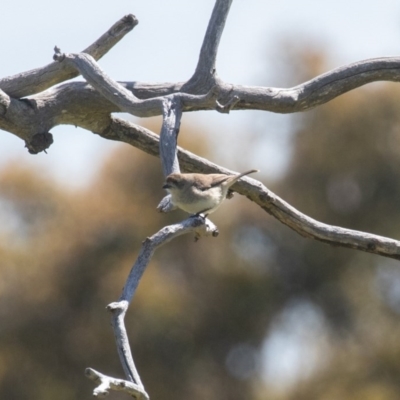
194, 200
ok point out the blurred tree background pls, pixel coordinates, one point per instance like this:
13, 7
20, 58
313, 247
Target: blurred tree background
258, 312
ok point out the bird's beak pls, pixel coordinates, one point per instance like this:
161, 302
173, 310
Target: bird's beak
166, 186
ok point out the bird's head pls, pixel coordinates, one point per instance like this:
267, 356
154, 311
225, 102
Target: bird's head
174, 181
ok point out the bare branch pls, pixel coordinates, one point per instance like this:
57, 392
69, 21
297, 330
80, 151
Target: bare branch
110, 38
4, 102
90, 106
118, 311
319, 90
259, 194
76, 102
311, 228
226, 108
37, 80
166, 205
80, 110
201, 227
205, 69
119, 95
106, 383
172, 114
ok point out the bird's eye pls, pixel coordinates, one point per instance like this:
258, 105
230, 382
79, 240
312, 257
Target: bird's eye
172, 182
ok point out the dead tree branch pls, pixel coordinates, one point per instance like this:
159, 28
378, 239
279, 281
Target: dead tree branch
37, 80
172, 114
90, 104
76, 103
255, 191
118, 309
107, 383
205, 73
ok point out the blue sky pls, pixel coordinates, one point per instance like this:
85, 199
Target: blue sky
164, 47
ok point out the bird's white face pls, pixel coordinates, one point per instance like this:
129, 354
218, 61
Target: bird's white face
175, 187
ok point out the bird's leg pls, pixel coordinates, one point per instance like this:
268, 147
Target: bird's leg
200, 214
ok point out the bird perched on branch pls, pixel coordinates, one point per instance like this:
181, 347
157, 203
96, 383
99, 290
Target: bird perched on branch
200, 193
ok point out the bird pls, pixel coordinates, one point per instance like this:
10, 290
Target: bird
200, 193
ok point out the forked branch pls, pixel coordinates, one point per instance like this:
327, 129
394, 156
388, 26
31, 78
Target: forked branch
172, 112
119, 308
117, 94
205, 73
262, 196
107, 383
90, 106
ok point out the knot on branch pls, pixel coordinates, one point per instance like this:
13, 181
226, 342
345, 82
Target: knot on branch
39, 142
4, 102
266, 197
230, 194
203, 227
118, 306
58, 56
225, 109
131, 20
106, 383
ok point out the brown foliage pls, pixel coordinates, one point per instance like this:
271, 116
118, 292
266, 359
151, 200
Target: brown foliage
203, 310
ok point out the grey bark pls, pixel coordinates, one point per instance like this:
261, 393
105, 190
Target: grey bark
29, 111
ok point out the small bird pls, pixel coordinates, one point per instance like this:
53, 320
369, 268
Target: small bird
200, 193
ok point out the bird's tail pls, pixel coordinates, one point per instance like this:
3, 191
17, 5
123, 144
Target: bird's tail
235, 178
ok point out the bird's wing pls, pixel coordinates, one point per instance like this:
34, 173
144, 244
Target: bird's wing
211, 181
